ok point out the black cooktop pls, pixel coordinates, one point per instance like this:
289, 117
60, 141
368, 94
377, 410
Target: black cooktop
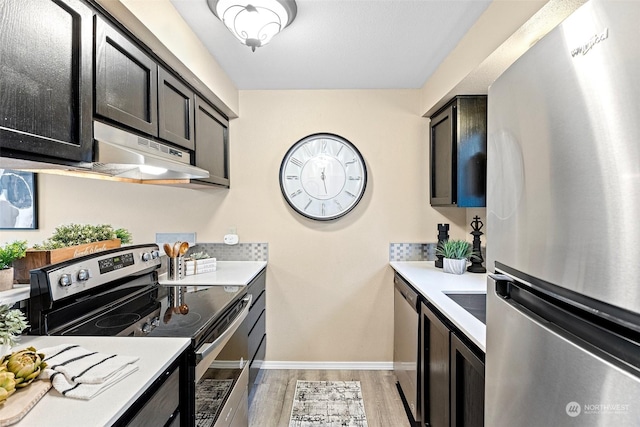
191, 312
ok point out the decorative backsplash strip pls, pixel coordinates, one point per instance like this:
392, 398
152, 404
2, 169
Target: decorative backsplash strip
417, 252
239, 252
412, 251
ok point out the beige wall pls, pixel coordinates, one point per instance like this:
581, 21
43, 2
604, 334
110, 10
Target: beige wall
330, 292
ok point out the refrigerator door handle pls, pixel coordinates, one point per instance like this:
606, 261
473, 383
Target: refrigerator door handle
503, 285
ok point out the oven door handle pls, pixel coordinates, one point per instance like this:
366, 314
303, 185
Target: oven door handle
206, 349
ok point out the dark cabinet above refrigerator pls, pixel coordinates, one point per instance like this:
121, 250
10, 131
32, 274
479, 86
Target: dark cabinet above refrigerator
458, 153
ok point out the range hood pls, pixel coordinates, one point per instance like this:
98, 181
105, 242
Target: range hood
122, 154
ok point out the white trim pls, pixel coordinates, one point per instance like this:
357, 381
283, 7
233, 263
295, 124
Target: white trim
352, 366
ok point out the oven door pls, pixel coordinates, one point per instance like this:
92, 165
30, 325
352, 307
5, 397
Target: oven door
222, 375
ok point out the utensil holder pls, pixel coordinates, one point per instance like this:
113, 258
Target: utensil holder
176, 268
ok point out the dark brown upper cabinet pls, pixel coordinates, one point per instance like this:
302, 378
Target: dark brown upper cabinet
46, 80
176, 110
212, 143
458, 162
126, 81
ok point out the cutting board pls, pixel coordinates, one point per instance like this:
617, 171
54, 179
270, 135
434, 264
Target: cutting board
21, 402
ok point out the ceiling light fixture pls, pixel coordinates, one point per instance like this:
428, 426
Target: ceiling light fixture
254, 22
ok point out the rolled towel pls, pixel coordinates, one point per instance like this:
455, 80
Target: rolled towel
77, 372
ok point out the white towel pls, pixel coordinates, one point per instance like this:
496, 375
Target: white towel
77, 372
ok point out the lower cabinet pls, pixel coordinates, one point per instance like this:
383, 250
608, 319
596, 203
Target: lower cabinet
256, 320
453, 374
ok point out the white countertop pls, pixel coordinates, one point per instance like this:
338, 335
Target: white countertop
433, 282
156, 354
232, 273
18, 293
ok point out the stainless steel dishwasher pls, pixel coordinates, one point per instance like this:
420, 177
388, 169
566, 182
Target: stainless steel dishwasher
405, 344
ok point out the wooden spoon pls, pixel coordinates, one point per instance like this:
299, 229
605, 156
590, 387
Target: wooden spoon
176, 249
168, 250
184, 247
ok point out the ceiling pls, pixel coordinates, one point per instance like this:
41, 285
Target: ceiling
342, 44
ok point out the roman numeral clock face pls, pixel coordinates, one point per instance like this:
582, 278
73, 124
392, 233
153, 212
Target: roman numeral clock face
323, 176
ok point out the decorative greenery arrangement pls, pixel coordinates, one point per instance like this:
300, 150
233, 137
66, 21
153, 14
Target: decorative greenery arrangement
455, 249
18, 370
12, 251
80, 234
12, 323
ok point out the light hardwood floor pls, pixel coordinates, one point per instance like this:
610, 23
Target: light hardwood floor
272, 397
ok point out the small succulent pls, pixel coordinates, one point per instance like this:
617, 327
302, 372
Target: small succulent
25, 365
11, 252
80, 234
199, 255
12, 323
455, 249
7, 383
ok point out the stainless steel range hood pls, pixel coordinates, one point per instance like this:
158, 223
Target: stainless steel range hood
121, 154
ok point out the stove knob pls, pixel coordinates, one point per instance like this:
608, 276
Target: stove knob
83, 275
146, 328
146, 256
155, 254
65, 280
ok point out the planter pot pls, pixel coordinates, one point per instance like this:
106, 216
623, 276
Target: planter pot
37, 259
6, 279
454, 266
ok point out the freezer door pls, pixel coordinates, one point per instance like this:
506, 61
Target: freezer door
563, 182
540, 373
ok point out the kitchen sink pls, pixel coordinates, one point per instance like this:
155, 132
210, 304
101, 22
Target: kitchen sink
476, 304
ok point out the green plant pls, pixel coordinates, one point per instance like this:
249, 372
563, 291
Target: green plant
79, 234
11, 252
12, 323
455, 249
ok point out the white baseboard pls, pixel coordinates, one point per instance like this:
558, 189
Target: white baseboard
352, 366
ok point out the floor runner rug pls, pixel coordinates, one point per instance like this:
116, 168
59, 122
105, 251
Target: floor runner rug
210, 394
328, 404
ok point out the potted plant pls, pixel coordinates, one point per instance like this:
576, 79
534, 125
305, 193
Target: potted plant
9, 253
12, 323
70, 241
456, 253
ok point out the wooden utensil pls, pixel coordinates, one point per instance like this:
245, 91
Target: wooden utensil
168, 250
184, 247
176, 249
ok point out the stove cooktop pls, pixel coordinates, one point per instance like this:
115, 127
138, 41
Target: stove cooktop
188, 311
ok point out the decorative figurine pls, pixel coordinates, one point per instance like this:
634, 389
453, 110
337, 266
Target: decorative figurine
443, 234
476, 260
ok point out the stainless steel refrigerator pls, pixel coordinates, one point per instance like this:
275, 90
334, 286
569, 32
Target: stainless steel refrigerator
563, 224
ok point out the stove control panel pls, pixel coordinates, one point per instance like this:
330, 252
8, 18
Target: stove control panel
88, 272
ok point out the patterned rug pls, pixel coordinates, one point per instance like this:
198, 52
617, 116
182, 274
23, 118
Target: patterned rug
210, 394
328, 404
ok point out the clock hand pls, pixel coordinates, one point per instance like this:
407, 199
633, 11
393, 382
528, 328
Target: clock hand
322, 177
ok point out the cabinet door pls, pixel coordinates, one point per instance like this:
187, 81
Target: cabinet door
46, 79
212, 143
126, 81
175, 110
435, 368
443, 158
467, 386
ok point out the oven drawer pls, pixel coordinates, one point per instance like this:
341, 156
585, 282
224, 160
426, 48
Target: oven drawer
236, 404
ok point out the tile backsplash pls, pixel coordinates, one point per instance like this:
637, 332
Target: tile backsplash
412, 251
239, 252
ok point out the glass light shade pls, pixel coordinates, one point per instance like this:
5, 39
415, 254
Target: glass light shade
254, 22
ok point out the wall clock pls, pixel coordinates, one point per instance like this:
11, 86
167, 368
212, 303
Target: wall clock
323, 176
